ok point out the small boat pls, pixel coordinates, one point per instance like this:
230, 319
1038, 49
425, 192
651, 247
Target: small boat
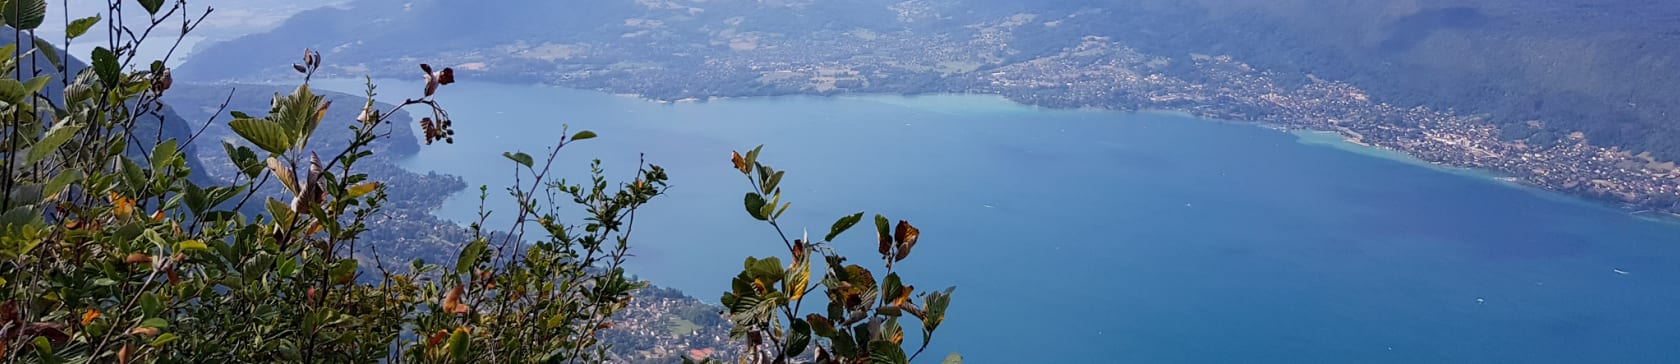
1619, 271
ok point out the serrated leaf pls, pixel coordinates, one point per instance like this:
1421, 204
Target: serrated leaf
797, 279
268, 135
885, 352
521, 158
38, 83
163, 153
283, 173
59, 183
106, 67
55, 138
799, 337
81, 26
25, 14
12, 91
583, 135
843, 224
50, 51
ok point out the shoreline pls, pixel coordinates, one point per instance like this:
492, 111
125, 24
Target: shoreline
1336, 139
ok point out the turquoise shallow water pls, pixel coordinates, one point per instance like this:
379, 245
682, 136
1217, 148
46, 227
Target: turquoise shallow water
1095, 237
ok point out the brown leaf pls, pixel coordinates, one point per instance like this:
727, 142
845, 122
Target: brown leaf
740, 163
903, 296
144, 331
886, 244
124, 354
137, 258
447, 76
906, 236
437, 338
452, 301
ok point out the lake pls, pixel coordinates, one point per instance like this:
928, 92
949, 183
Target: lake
1079, 236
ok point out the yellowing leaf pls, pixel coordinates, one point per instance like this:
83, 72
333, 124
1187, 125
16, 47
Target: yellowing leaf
123, 207
363, 189
192, 245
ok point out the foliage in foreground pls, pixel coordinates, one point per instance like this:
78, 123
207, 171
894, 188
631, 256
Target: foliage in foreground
862, 322
111, 252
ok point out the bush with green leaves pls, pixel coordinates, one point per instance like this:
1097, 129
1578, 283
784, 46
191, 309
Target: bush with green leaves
112, 254
862, 320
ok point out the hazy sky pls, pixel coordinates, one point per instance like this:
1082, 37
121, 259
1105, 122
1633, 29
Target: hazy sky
231, 19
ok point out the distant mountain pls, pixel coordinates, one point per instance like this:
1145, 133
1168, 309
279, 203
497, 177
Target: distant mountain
163, 122
1541, 70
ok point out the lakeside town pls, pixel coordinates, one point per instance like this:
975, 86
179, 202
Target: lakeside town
1099, 73
1102, 73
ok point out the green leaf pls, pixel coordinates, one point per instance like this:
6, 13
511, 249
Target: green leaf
197, 199
37, 84
105, 65
164, 339
883, 234
952, 359
25, 14
268, 135
768, 270
152, 6
243, 158
50, 51
155, 322
583, 135
842, 225
55, 138
12, 91
163, 154
799, 337
755, 206
752, 155
343, 271
458, 344
768, 211
521, 158
469, 256
150, 305
81, 26
886, 352
285, 267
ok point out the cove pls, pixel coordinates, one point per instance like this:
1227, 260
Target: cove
1078, 236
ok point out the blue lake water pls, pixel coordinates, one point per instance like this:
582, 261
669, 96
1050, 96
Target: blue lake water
1096, 236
